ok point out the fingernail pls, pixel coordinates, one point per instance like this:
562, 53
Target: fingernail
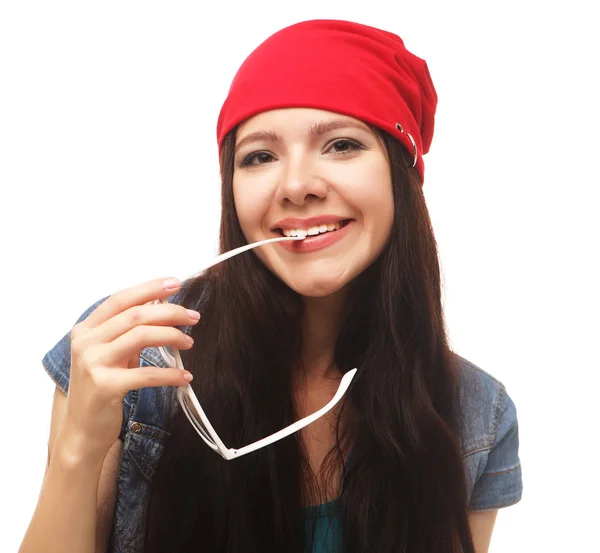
171, 283
193, 314
188, 377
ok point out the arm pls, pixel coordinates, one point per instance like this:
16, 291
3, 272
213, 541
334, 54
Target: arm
482, 524
76, 504
95, 365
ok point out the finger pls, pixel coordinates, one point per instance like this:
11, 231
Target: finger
161, 314
123, 380
138, 338
128, 297
134, 360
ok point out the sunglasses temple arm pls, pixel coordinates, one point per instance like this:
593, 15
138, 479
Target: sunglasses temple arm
241, 249
203, 433
204, 419
233, 253
209, 428
344, 384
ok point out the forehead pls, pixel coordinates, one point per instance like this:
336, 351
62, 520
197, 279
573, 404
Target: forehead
295, 120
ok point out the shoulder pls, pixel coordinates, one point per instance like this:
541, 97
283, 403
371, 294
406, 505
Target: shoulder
57, 361
482, 399
489, 439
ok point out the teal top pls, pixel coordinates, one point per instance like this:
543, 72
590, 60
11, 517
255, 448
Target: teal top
324, 521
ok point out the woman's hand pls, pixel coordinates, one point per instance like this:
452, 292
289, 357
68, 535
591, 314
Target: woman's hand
105, 351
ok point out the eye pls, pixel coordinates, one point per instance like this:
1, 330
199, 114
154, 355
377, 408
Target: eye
256, 158
345, 146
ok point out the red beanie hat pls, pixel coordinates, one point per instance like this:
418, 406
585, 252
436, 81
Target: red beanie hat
342, 67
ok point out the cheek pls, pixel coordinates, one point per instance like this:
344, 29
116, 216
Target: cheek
374, 199
251, 204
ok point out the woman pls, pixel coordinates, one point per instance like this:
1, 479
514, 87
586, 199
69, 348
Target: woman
322, 133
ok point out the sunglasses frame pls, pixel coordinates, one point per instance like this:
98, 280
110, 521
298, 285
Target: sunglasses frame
203, 427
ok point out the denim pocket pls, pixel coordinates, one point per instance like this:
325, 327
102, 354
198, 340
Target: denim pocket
143, 446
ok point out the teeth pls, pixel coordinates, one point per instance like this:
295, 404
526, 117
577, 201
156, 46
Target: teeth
312, 231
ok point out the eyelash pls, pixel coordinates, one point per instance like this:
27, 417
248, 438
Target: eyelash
354, 145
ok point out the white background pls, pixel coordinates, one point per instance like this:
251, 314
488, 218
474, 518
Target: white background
109, 177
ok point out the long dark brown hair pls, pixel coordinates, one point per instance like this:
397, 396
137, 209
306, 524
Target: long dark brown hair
403, 486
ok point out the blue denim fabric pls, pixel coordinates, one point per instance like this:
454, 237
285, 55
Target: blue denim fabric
489, 446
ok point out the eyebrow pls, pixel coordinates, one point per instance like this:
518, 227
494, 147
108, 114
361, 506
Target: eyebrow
315, 131
267, 136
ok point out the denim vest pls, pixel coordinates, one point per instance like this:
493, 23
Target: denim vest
489, 446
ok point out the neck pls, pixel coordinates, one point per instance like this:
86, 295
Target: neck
321, 323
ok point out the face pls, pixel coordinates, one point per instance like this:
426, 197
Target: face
301, 170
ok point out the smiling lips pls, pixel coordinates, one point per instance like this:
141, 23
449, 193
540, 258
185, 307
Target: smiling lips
317, 232
313, 231
292, 226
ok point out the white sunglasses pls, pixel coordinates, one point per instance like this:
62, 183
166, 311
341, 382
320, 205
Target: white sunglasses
191, 406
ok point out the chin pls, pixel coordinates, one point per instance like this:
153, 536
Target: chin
316, 288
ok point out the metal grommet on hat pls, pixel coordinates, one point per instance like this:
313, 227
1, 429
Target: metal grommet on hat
399, 127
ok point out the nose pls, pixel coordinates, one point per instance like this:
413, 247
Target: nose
300, 182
